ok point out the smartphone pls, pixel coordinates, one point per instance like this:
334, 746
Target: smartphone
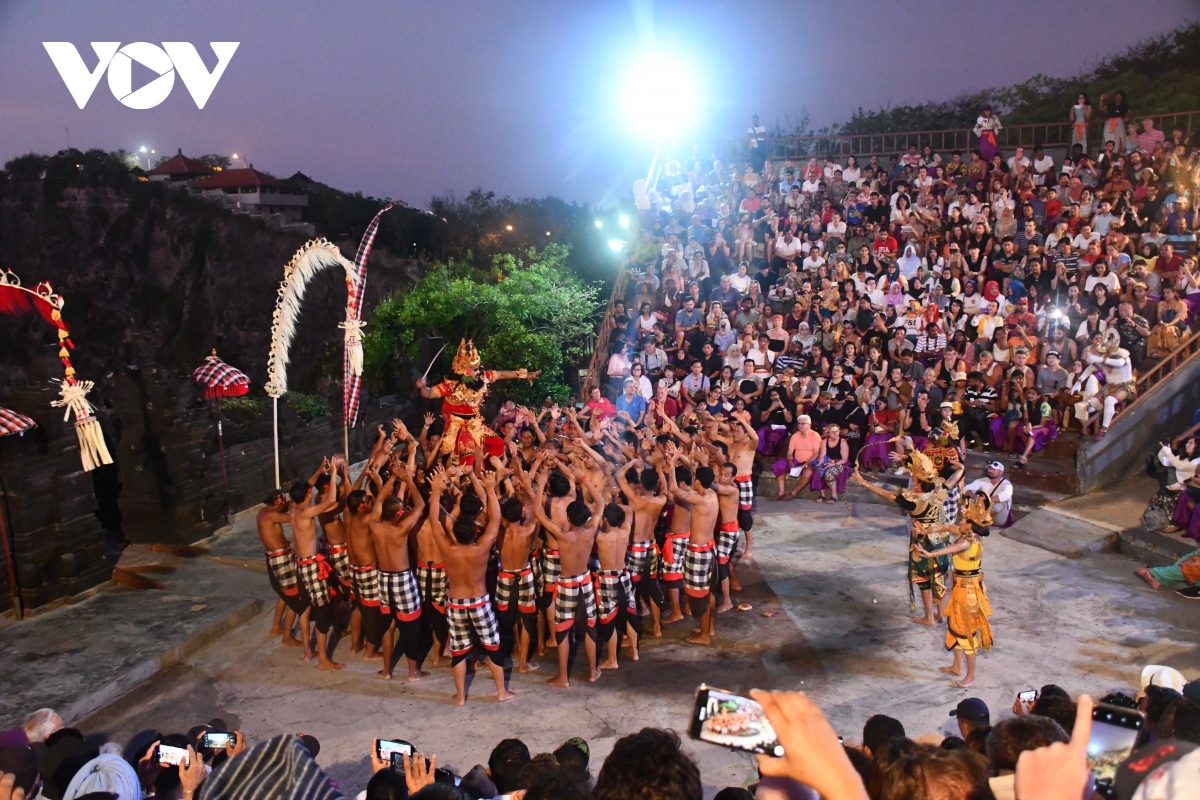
385, 748
1027, 699
441, 775
173, 756
218, 741
730, 720
1114, 732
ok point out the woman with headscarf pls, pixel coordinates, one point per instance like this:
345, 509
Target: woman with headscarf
908, 263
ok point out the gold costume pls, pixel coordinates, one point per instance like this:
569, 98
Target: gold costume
968, 609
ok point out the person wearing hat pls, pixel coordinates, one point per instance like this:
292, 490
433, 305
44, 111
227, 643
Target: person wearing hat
998, 488
971, 714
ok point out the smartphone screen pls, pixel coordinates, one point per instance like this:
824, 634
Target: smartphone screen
1027, 699
172, 756
1114, 732
730, 720
384, 748
218, 741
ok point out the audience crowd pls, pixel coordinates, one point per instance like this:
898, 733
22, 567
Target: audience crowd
1039, 751
1016, 293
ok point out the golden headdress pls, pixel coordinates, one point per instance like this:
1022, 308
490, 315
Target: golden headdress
921, 467
978, 510
467, 357
950, 431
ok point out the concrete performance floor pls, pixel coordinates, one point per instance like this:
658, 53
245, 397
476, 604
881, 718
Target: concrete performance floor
830, 616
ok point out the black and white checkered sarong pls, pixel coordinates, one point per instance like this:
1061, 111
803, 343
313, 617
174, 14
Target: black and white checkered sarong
398, 595
698, 568
431, 580
950, 506
638, 559
672, 555
551, 570
571, 592
339, 558
282, 566
366, 584
474, 614
745, 492
312, 579
727, 539
615, 590
518, 586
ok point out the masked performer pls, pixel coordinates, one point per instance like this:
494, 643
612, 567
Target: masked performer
925, 505
968, 609
461, 400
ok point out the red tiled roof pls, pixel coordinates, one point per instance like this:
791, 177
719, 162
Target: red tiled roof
236, 178
179, 164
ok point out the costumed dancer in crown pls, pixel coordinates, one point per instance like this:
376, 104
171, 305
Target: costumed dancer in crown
968, 609
461, 399
925, 506
943, 451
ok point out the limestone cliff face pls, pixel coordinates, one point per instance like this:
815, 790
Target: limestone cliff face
153, 279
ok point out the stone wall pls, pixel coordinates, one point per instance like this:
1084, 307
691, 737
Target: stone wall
164, 487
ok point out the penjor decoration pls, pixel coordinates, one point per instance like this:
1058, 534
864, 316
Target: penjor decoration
314, 256
352, 367
465, 432
16, 299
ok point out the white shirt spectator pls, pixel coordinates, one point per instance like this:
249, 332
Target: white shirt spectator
740, 282
837, 230
1000, 493
814, 261
810, 186
1081, 244
1110, 280
785, 250
1041, 168
1012, 163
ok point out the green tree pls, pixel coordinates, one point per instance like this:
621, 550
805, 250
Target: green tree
535, 314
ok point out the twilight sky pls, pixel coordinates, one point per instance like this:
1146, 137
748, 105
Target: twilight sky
405, 99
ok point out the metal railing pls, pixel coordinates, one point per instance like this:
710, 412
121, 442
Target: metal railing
1046, 134
602, 350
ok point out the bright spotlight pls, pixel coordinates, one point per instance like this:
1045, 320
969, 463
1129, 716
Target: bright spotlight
617, 245
625, 222
508, 227
659, 97
143, 149
599, 224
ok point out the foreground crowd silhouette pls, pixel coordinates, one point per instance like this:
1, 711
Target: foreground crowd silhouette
1039, 752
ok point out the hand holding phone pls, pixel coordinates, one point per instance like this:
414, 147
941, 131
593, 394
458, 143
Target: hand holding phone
1024, 702
169, 756
218, 741
385, 748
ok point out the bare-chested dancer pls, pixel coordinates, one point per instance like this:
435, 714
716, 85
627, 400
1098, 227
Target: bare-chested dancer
313, 568
431, 582
281, 568
642, 560
516, 598
472, 624
361, 510
400, 602
575, 598
698, 569
618, 610
331, 524
742, 446
728, 498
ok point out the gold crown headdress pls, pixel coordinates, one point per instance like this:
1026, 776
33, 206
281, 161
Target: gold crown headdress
467, 357
979, 511
950, 431
921, 467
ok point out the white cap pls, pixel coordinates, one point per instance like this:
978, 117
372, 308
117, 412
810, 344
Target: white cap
996, 465
1167, 677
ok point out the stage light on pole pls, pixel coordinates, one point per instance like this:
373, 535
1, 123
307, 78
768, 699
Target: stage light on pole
658, 117
625, 222
616, 245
